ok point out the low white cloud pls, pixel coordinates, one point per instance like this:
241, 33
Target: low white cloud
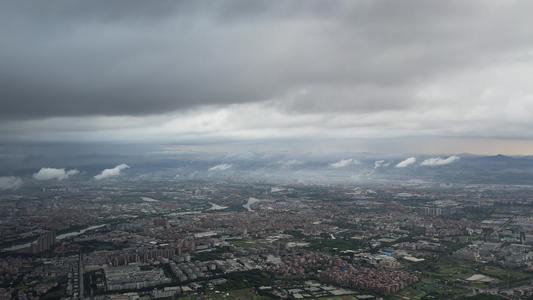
72, 172
10, 182
111, 172
407, 162
345, 162
381, 163
221, 167
437, 161
378, 163
53, 173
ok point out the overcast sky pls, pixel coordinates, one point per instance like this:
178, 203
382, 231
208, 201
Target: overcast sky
423, 77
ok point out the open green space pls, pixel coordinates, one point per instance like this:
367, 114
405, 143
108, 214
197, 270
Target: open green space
57, 292
446, 268
426, 286
504, 274
50, 279
206, 256
230, 295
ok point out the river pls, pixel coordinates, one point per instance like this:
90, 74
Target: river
216, 207
59, 237
147, 199
251, 201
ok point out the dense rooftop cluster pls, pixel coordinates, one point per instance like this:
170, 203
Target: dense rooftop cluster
376, 239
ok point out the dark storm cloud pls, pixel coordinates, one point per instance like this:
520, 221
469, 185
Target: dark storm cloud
88, 59
71, 58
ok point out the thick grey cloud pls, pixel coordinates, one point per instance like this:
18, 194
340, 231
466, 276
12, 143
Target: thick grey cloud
208, 72
73, 58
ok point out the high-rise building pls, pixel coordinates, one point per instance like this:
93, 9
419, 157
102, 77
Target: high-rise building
45, 242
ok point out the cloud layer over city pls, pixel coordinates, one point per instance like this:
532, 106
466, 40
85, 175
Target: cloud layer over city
363, 75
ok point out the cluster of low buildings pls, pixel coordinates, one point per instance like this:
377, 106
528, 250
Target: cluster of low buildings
50, 269
191, 271
148, 235
510, 242
383, 281
304, 262
513, 255
134, 277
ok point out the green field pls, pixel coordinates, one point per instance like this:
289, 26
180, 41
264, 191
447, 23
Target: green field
236, 294
503, 274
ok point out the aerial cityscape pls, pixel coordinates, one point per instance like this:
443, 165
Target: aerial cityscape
239, 149
238, 234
